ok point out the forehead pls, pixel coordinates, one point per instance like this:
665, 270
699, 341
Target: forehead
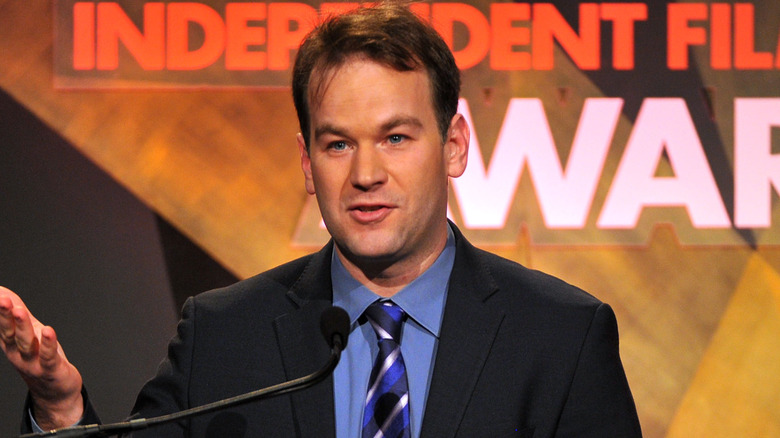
359, 87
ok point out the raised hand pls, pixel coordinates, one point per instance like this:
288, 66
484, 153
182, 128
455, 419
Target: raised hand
33, 349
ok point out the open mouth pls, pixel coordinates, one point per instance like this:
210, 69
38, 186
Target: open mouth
367, 214
370, 208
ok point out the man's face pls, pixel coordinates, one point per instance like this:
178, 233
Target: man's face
378, 166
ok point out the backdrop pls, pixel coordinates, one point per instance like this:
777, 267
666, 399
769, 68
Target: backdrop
631, 148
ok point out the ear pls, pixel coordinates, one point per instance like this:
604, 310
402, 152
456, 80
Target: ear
456, 148
305, 164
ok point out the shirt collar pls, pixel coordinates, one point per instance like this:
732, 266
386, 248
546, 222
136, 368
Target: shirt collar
422, 299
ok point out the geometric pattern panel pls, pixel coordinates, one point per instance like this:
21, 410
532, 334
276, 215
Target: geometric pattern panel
735, 390
221, 167
85, 256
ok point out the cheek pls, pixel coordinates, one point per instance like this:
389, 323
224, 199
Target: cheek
434, 178
429, 169
328, 187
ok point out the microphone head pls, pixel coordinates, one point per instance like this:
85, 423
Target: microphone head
334, 323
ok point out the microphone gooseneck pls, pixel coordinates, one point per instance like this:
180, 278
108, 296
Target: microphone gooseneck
334, 323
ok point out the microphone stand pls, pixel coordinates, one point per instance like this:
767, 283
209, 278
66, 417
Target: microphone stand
106, 430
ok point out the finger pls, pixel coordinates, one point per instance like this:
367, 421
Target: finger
49, 349
7, 325
5, 302
8, 293
26, 341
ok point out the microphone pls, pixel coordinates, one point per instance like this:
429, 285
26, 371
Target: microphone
334, 324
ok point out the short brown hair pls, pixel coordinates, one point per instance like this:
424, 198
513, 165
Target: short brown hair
387, 33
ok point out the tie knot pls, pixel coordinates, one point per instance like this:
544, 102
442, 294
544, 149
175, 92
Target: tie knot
386, 319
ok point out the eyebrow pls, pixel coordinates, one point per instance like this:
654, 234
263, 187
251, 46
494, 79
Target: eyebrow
402, 121
328, 128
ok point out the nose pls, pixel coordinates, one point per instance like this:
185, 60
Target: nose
368, 168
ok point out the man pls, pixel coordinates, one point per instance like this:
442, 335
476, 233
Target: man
481, 346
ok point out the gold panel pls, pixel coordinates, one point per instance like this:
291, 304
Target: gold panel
222, 166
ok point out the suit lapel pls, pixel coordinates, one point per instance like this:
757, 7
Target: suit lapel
471, 322
470, 325
303, 350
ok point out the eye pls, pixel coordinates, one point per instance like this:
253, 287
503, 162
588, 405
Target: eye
396, 138
338, 145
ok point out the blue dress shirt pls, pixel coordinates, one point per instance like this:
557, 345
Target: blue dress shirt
423, 301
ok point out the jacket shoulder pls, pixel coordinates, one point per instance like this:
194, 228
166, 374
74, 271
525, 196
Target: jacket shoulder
267, 287
532, 285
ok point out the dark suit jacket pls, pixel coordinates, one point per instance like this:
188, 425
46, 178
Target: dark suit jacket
521, 354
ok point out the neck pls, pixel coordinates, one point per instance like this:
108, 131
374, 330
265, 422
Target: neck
387, 277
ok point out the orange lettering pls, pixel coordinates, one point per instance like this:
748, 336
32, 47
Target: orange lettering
583, 49
423, 10
327, 9
720, 36
680, 36
180, 15
147, 47
239, 36
623, 17
502, 57
83, 36
745, 56
281, 37
444, 17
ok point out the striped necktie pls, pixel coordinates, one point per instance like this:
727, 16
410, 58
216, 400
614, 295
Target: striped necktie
386, 414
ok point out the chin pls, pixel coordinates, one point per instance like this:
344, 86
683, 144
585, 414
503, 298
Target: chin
371, 250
